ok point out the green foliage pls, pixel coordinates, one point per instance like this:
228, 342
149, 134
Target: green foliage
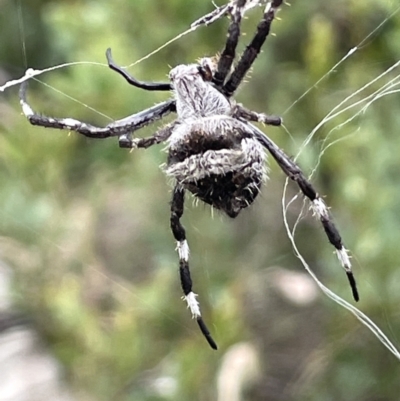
85, 225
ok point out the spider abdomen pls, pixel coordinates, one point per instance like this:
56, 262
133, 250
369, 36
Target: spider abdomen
218, 161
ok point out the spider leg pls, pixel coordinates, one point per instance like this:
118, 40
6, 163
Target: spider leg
149, 86
252, 50
228, 54
116, 128
223, 10
212, 16
126, 141
126, 126
241, 112
183, 250
291, 169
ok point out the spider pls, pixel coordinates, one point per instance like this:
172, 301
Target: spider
214, 151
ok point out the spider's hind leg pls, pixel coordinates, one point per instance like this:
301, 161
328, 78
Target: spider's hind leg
249, 115
292, 170
161, 135
183, 249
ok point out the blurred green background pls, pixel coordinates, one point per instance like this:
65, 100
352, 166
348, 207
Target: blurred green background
85, 225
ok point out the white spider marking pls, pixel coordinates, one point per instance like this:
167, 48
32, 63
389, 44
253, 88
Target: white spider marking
70, 122
193, 304
26, 109
183, 250
344, 258
319, 208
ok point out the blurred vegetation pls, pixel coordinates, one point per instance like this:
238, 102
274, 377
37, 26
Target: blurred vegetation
85, 225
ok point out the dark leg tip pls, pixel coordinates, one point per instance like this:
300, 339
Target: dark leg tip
125, 141
274, 120
206, 333
353, 286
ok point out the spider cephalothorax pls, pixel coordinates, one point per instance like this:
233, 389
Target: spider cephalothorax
195, 95
214, 151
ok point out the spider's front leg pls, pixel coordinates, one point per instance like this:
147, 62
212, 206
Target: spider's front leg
228, 54
149, 86
116, 128
178, 230
253, 49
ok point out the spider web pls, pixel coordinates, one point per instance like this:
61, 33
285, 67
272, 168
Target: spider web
352, 106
